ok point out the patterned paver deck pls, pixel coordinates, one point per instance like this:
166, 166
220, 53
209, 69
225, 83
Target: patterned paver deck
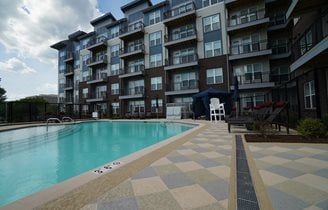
194, 176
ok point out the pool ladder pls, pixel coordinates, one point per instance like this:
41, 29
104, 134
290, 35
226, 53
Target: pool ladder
53, 119
67, 118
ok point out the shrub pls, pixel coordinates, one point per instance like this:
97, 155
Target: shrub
310, 127
325, 121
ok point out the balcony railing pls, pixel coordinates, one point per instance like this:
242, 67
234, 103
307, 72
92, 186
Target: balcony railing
179, 10
131, 49
181, 35
69, 55
98, 95
134, 91
249, 47
69, 85
277, 19
95, 41
132, 28
253, 78
183, 59
280, 49
318, 33
280, 78
184, 85
100, 76
69, 99
69, 70
132, 69
96, 59
246, 18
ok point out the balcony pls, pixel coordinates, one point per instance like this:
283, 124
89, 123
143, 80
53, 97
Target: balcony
69, 71
132, 31
99, 43
97, 61
69, 57
186, 37
97, 97
250, 20
253, 80
278, 22
132, 51
311, 48
131, 71
184, 87
129, 93
180, 15
69, 100
97, 78
280, 51
280, 78
182, 61
69, 86
249, 50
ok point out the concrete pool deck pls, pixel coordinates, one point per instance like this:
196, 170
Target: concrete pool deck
198, 171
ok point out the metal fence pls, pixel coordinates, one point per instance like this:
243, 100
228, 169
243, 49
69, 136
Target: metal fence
13, 112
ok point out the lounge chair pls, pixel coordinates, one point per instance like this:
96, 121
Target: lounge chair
264, 112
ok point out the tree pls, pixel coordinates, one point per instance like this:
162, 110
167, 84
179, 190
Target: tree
3, 96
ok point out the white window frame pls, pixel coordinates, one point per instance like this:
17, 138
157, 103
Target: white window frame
114, 69
211, 23
206, 3
211, 51
114, 32
156, 83
309, 93
154, 17
114, 50
115, 88
155, 60
115, 108
160, 105
155, 38
217, 75
85, 93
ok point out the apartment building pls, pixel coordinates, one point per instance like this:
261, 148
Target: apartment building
165, 53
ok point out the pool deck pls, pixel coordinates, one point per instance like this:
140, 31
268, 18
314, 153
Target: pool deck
198, 171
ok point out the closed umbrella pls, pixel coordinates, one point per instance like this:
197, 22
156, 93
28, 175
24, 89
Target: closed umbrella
236, 94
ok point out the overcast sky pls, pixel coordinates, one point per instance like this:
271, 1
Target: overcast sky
28, 66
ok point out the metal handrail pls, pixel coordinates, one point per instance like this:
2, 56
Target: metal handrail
53, 119
68, 118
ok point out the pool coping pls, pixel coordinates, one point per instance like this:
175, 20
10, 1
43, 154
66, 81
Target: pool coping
85, 187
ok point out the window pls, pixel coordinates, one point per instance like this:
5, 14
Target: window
136, 87
85, 59
114, 50
114, 69
252, 99
213, 49
136, 106
156, 60
214, 76
85, 43
115, 88
280, 74
114, 32
183, 100
85, 92
309, 95
211, 23
135, 66
154, 17
308, 40
209, 2
115, 108
182, 32
156, 83
253, 72
185, 81
184, 56
85, 75
155, 38
154, 105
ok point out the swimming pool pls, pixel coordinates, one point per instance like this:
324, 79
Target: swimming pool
33, 159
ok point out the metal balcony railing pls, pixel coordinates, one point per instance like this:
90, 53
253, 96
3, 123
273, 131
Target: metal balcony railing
179, 10
246, 18
253, 78
69, 99
134, 91
69, 84
100, 76
183, 59
277, 19
69, 55
183, 85
99, 58
98, 95
132, 69
94, 41
280, 49
133, 48
132, 27
280, 78
69, 69
249, 47
181, 35
318, 33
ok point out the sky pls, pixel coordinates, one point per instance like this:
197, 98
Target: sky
28, 66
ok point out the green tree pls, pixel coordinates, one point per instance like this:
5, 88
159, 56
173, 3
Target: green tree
3, 96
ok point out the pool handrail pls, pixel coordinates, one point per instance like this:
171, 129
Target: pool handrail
67, 118
53, 119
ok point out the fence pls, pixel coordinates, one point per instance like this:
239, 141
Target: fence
13, 112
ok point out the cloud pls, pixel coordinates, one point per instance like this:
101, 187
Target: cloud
29, 27
48, 88
16, 65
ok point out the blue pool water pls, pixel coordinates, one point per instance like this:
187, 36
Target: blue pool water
33, 159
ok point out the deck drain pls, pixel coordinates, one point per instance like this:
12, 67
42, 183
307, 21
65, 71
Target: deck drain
107, 167
246, 196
